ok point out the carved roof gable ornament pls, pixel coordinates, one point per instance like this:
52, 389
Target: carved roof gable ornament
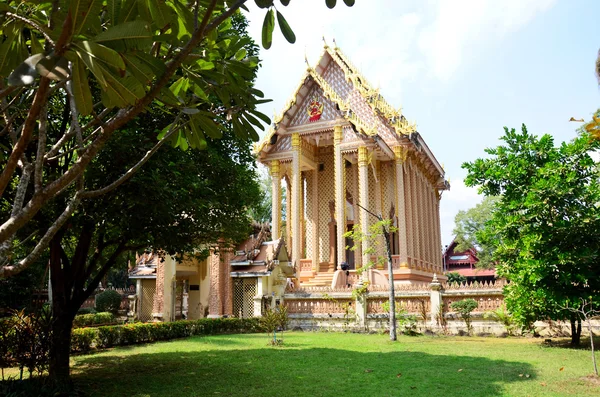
314, 109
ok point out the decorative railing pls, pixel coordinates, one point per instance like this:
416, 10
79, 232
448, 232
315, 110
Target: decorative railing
484, 302
306, 265
317, 289
485, 285
319, 306
411, 305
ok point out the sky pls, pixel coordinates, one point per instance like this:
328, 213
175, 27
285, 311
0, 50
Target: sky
461, 69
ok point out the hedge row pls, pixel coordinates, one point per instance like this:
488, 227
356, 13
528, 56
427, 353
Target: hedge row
85, 339
93, 319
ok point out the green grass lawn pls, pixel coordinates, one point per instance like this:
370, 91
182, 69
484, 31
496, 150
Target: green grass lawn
337, 364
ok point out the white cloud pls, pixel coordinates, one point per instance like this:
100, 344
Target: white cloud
465, 27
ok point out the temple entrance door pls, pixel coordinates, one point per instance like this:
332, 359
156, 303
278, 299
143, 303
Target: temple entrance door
349, 250
244, 290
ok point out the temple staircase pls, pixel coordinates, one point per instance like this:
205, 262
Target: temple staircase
323, 278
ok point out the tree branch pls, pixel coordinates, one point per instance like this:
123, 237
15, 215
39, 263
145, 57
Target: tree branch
19, 148
39, 158
43, 243
32, 24
121, 118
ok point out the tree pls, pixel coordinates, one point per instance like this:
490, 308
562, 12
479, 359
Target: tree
383, 227
547, 220
261, 212
470, 231
456, 278
464, 308
57, 57
196, 197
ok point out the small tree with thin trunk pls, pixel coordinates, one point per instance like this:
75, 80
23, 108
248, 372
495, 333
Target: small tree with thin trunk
586, 311
376, 231
464, 308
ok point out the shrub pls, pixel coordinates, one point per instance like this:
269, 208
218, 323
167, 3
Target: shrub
26, 338
504, 317
108, 301
456, 278
464, 308
87, 320
108, 336
82, 339
86, 310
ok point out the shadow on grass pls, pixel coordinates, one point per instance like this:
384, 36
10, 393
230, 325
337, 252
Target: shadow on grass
287, 371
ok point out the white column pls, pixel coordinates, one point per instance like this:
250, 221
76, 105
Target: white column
315, 215
296, 186
363, 191
400, 157
276, 200
340, 195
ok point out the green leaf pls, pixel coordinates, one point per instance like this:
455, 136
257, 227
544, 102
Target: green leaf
261, 116
128, 12
102, 53
349, 3
122, 91
196, 136
85, 15
285, 2
138, 68
92, 64
160, 12
285, 29
81, 88
254, 121
330, 3
205, 65
264, 3
241, 54
267, 30
134, 30
180, 87
208, 126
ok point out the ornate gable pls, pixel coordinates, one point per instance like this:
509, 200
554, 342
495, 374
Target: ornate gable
329, 111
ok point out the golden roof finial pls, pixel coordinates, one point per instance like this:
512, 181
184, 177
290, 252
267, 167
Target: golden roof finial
324, 42
335, 44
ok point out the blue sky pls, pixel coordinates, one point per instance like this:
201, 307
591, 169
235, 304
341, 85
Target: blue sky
462, 70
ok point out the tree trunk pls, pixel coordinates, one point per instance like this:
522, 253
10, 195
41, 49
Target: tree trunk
388, 248
589, 324
60, 348
575, 331
62, 317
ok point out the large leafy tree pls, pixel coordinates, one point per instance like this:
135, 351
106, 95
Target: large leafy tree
471, 232
547, 221
73, 73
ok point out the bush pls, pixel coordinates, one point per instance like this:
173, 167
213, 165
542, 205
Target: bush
25, 339
87, 320
86, 310
82, 339
464, 308
130, 334
108, 301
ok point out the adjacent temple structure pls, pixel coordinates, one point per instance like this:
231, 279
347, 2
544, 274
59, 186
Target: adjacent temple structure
342, 150
344, 154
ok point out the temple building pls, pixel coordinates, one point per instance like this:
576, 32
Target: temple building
238, 281
344, 156
465, 264
340, 150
